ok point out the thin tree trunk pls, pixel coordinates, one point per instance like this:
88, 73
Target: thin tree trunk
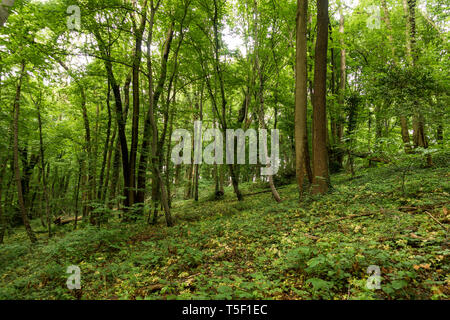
419, 136
135, 116
5, 6
342, 77
2, 216
196, 168
168, 171
262, 124
403, 118
120, 118
234, 177
44, 180
23, 209
189, 175
150, 128
101, 186
77, 192
150, 138
106, 192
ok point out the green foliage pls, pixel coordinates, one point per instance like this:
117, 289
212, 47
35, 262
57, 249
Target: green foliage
262, 250
220, 248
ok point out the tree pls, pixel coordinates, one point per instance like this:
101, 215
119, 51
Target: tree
301, 95
320, 156
403, 119
150, 127
23, 209
44, 178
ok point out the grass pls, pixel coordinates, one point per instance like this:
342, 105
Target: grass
255, 249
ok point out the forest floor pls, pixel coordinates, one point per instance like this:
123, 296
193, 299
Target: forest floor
256, 249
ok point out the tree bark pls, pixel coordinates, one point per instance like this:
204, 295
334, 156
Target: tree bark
44, 180
120, 118
2, 216
419, 136
301, 95
102, 187
139, 31
150, 127
320, 157
262, 123
342, 76
23, 209
196, 166
403, 118
234, 177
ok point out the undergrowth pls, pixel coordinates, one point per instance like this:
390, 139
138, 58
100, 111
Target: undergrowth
255, 249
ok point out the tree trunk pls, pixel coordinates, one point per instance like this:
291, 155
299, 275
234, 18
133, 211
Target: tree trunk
419, 136
234, 177
135, 116
342, 78
120, 118
168, 171
320, 157
77, 192
23, 209
151, 129
403, 118
106, 191
150, 137
196, 166
101, 186
44, 180
301, 95
2, 216
262, 123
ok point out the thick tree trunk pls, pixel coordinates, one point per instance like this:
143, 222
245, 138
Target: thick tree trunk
320, 157
403, 118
